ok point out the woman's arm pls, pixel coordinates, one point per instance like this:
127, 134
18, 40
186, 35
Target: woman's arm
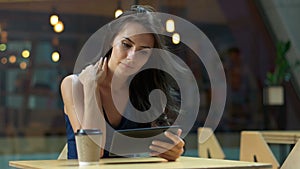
91, 78
71, 88
73, 97
81, 102
81, 97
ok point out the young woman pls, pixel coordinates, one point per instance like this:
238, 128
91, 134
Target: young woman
93, 89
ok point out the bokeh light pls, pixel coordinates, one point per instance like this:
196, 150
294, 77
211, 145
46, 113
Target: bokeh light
23, 65
55, 56
54, 19
12, 59
4, 60
176, 38
170, 25
25, 53
59, 27
118, 12
2, 47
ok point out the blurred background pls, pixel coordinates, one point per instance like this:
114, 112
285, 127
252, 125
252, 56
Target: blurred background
35, 55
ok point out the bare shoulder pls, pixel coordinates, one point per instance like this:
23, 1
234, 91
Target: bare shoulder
69, 83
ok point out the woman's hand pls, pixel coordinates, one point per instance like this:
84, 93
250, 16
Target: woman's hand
94, 74
166, 150
91, 78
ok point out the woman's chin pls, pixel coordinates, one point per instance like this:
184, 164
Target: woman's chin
124, 73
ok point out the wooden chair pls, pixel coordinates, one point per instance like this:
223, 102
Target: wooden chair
254, 148
64, 153
292, 161
208, 145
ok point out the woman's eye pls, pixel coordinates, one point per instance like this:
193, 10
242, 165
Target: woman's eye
126, 45
144, 52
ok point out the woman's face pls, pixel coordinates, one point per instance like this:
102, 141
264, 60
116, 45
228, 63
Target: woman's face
130, 50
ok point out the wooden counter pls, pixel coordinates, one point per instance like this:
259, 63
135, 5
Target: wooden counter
140, 163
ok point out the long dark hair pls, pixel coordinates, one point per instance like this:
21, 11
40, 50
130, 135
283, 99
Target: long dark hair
145, 81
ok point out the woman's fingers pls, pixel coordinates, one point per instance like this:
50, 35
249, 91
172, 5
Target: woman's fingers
169, 154
158, 149
171, 136
101, 70
164, 155
168, 157
104, 65
84, 74
166, 150
163, 147
179, 132
175, 138
99, 64
101, 152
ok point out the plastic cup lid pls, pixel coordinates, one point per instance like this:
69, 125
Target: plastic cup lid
88, 132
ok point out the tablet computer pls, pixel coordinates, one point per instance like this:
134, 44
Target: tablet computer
137, 141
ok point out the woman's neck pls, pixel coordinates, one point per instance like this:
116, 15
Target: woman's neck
119, 81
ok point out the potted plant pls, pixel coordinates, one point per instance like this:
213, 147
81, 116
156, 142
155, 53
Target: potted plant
274, 90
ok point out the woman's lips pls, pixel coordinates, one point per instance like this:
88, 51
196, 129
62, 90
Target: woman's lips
127, 65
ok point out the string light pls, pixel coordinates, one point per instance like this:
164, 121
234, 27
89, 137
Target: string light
56, 22
4, 35
55, 56
2, 47
12, 59
54, 19
23, 65
25, 53
176, 38
170, 25
118, 12
59, 27
4, 60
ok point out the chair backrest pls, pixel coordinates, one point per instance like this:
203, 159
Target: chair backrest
64, 153
292, 161
208, 145
254, 148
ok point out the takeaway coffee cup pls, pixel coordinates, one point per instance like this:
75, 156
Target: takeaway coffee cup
88, 143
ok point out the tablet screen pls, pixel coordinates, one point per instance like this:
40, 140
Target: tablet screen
137, 141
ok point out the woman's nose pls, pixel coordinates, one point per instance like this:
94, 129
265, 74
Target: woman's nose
131, 54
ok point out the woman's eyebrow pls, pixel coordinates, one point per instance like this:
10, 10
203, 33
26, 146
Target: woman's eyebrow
129, 39
134, 43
